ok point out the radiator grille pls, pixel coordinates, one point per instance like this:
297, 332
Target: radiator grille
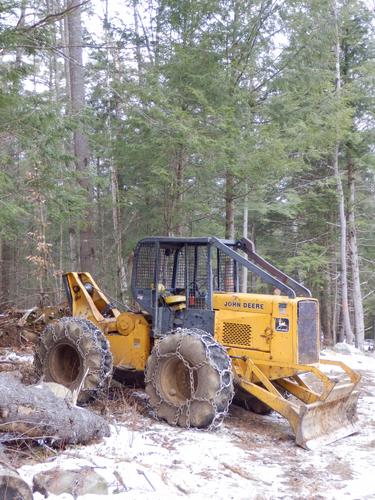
308, 333
235, 334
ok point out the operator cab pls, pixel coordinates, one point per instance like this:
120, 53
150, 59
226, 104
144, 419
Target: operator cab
170, 280
174, 279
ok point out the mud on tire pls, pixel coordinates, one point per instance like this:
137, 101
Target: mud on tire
189, 379
71, 349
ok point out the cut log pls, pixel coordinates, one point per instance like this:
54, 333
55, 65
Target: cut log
36, 412
11, 485
78, 482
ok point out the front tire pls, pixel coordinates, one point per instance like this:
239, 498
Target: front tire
189, 379
74, 352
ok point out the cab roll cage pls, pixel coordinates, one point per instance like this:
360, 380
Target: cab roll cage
253, 262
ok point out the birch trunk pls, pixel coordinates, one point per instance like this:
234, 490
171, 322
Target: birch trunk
138, 53
229, 230
353, 247
42, 249
229, 206
245, 235
180, 161
348, 333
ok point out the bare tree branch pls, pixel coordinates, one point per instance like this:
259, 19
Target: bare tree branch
52, 18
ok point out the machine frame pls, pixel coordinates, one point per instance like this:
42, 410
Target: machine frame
272, 340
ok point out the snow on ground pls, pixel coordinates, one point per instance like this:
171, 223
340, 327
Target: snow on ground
9, 355
249, 457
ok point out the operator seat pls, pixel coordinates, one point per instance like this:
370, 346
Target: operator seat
174, 301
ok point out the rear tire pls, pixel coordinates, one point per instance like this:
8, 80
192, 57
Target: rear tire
189, 379
73, 349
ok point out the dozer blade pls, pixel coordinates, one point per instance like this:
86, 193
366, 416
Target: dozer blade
316, 419
327, 421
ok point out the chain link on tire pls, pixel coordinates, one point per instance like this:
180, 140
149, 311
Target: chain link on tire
75, 353
189, 379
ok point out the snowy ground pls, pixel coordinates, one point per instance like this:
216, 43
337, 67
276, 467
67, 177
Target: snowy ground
249, 457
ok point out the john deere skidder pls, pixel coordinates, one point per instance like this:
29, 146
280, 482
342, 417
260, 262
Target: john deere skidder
200, 341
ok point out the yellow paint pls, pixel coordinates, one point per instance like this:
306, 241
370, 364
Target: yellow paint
243, 302
128, 333
83, 304
259, 312
312, 407
175, 302
242, 329
174, 299
245, 324
132, 350
126, 323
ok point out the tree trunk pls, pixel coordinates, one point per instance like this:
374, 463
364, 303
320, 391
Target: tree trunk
159, 21
229, 206
81, 148
101, 223
36, 412
6, 258
118, 232
42, 250
138, 52
329, 308
180, 161
353, 247
73, 249
325, 300
12, 487
229, 283
115, 192
348, 333
72, 240
64, 35
245, 234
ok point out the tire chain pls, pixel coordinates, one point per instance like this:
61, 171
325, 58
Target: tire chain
226, 377
88, 329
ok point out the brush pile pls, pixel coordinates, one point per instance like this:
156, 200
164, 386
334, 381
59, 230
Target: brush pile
18, 327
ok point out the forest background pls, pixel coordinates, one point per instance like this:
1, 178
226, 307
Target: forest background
181, 117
